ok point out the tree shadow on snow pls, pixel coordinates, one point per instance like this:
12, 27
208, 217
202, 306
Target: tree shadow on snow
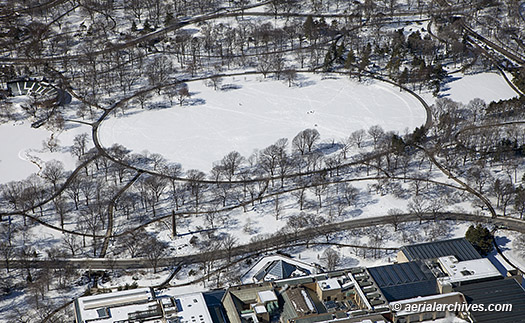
348, 262
502, 242
303, 81
329, 147
195, 102
355, 213
230, 87
71, 125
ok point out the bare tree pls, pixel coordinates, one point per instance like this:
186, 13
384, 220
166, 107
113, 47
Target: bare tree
79, 145
305, 140
231, 163
331, 259
61, 208
357, 137
159, 70
394, 217
183, 94
7, 249
377, 235
419, 206
134, 243
53, 172
154, 187
228, 243
290, 75
11, 193
349, 193
156, 249
376, 132
216, 81
71, 243
195, 186
264, 64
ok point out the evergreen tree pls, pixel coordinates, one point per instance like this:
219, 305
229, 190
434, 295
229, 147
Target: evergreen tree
147, 27
403, 78
350, 59
328, 60
308, 27
169, 19
481, 238
339, 54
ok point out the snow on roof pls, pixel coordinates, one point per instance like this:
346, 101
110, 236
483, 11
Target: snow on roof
267, 296
115, 306
266, 262
307, 300
120, 306
116, 298
259, 309
501, 264
459, 271
329, 284
281, 269
194, 308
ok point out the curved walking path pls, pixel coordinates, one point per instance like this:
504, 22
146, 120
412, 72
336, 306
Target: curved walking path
276, 241
103, 151
267, 244
111, 206
95, 127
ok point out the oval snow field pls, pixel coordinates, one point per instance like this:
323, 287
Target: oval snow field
257, 113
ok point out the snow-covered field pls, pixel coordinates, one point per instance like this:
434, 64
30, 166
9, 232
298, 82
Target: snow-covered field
18, 139
486, 86
248, 118
257, 113
252, 115
22, 152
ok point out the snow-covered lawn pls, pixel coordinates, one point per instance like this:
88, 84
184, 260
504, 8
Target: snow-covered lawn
22, 149
17, 140
257, 113
486, 86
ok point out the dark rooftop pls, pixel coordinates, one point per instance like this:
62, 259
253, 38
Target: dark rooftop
214, 304
405, 280
506, 291
460, 248
279, 269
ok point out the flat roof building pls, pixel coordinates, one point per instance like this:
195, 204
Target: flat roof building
459, 248
117, 306
404, 280
142, 305
427, 308
348, 296
460, 272
504, 291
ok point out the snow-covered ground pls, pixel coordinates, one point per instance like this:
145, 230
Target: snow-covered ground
257, 113
17, 140
244, 119
486, 86
252, 116
23, 153
511, 248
